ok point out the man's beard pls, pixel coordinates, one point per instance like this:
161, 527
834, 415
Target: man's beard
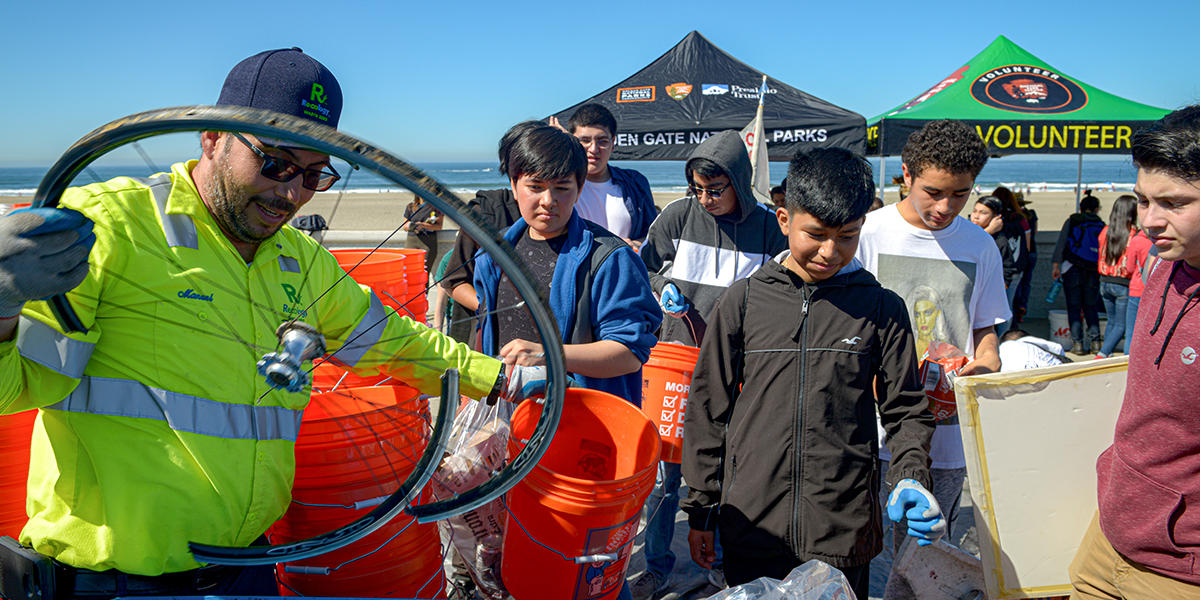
229, 205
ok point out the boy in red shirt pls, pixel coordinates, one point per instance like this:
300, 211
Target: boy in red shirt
1145, 539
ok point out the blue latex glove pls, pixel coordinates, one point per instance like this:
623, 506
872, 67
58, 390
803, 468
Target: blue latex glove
525, 383
912, 501
672, 301
43, 252
528, 382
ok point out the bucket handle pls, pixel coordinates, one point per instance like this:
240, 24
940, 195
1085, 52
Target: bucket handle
579, 560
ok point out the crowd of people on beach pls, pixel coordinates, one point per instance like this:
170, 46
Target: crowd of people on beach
808, 419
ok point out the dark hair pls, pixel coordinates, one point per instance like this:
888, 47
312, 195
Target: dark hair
779, 189
510, 137
1171, 144
1012, 335
705, 167
947, 145
592, 115
1009, 201
1120, 221
545, 152
993, 203
832, 184
1089, 203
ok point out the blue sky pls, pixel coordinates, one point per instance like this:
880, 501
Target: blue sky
441, 81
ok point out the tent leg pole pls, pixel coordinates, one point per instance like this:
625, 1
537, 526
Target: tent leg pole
882, 176
1078, 182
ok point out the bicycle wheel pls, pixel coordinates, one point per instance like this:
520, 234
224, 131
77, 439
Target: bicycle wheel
360, 155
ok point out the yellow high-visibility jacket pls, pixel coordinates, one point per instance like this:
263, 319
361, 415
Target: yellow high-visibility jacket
155, 428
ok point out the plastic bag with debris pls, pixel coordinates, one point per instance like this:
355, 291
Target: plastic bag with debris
813, 580
476, 450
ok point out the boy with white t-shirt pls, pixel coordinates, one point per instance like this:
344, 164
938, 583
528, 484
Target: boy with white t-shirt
947, 269
616, 199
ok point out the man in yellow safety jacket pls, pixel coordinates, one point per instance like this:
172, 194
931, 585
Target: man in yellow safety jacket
154, 428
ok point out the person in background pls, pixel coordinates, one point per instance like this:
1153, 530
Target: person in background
1025, 285
779, 436
1075, 257
778, 197
1144, 541
877, 204
1140, 264
422, 223
1020, 351
1015, 211
1010, 240
697, 247
616, 199
1116, 268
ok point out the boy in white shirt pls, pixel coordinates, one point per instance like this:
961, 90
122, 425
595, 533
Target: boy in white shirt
616, 199
947, 269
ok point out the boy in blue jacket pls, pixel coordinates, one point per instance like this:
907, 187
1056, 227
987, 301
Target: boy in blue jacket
595, 283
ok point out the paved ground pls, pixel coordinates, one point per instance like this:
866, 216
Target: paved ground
689, 582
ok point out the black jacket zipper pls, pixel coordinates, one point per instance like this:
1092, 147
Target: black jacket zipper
797, 437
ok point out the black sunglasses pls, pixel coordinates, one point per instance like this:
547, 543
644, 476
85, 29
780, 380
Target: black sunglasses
713, 192
278, 169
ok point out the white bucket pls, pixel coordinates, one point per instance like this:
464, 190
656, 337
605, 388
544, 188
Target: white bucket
1060, 328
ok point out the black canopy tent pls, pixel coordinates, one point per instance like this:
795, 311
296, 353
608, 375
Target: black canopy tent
666, 109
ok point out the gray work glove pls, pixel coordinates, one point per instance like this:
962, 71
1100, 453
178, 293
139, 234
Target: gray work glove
43, 252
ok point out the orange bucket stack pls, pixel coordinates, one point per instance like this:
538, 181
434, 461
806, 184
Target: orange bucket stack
15, 431
355, 446
583, 499
388, 273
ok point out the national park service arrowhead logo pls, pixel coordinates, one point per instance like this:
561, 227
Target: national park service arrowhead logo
1028, 89
679, 91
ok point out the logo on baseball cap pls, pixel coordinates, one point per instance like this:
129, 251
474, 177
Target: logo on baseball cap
286, 81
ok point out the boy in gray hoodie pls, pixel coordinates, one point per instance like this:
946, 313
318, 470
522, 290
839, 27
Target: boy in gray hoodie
696, 248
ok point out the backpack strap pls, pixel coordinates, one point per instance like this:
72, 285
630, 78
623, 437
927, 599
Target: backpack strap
604, 243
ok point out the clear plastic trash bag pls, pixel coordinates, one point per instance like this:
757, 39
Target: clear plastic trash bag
813, 580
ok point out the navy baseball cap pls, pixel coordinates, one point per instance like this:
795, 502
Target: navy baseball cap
286, 81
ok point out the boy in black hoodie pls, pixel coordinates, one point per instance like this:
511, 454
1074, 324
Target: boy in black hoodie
780, 445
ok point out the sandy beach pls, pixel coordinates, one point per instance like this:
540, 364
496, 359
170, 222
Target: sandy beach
385, 211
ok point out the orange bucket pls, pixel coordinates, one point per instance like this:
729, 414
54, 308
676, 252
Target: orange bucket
666, 379
584, 498
355, 446
327, 374
15, 431
412, 301
416, 298
382, 270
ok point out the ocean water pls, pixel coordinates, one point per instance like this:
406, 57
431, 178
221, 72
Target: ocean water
1035, 173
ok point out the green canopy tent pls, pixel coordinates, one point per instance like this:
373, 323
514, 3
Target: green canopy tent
1018, 104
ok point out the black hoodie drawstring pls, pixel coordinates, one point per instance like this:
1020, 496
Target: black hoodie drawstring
1162, 302
1179, 317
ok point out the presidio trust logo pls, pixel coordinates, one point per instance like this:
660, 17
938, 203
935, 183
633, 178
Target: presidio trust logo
314, 105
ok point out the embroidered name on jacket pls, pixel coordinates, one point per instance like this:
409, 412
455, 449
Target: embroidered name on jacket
190, 294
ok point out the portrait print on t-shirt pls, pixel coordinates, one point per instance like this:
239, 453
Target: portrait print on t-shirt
937, 293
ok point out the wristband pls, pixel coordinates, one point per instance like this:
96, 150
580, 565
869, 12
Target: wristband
498, 387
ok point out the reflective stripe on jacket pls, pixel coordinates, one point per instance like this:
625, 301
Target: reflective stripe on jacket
155, 429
